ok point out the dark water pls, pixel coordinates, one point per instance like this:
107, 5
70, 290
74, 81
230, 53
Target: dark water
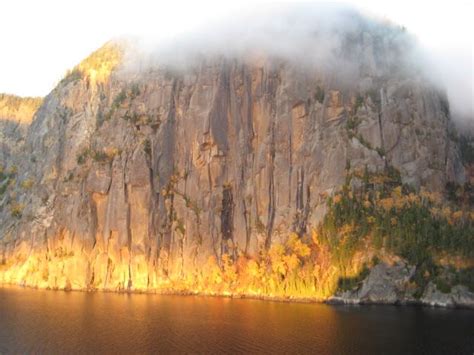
75, 322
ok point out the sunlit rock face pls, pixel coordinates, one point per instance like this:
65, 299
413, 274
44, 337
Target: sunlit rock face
140, 176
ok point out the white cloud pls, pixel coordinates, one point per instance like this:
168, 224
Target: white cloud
42, 39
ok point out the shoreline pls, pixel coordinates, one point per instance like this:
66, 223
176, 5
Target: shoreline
332, 301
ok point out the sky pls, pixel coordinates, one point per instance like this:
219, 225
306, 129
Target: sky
42, 39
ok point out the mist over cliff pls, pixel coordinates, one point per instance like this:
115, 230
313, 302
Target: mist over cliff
317, 37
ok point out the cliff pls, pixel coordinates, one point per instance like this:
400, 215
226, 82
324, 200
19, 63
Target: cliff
158, 179
16, 114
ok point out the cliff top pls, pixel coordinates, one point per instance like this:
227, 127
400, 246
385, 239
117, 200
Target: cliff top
16, 108
97, 67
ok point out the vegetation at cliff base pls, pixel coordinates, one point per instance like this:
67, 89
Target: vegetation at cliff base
372, 218
394, 217
389, 217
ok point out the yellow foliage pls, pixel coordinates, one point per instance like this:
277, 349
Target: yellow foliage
253, 269
457, 215
16, 209
315, 237
413, 198
397, 192
446, 212
297, 246
276, 254
27, 184
100, 64
378, 179
433, 197
213, 270
230, 269
284, 271
291, 261
111, 152
347, 229
387, 203
20, 109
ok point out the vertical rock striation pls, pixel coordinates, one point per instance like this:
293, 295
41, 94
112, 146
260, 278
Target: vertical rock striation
139, 177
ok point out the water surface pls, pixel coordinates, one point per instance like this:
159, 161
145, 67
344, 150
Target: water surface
77, 322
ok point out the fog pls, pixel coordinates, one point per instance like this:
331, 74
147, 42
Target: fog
324, 37
43, 40
310, 36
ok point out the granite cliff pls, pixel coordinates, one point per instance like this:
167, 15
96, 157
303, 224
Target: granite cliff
16, 114
158, 179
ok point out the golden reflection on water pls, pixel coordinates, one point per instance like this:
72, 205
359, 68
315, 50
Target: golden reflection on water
52, 321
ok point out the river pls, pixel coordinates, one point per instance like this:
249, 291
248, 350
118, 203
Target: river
39, 321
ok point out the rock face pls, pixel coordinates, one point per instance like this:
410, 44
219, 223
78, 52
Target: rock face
391, 285
384, 284
140, 176
459, 296
16, 114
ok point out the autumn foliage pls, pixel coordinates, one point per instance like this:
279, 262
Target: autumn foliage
373, 218
293, 269
381, 218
